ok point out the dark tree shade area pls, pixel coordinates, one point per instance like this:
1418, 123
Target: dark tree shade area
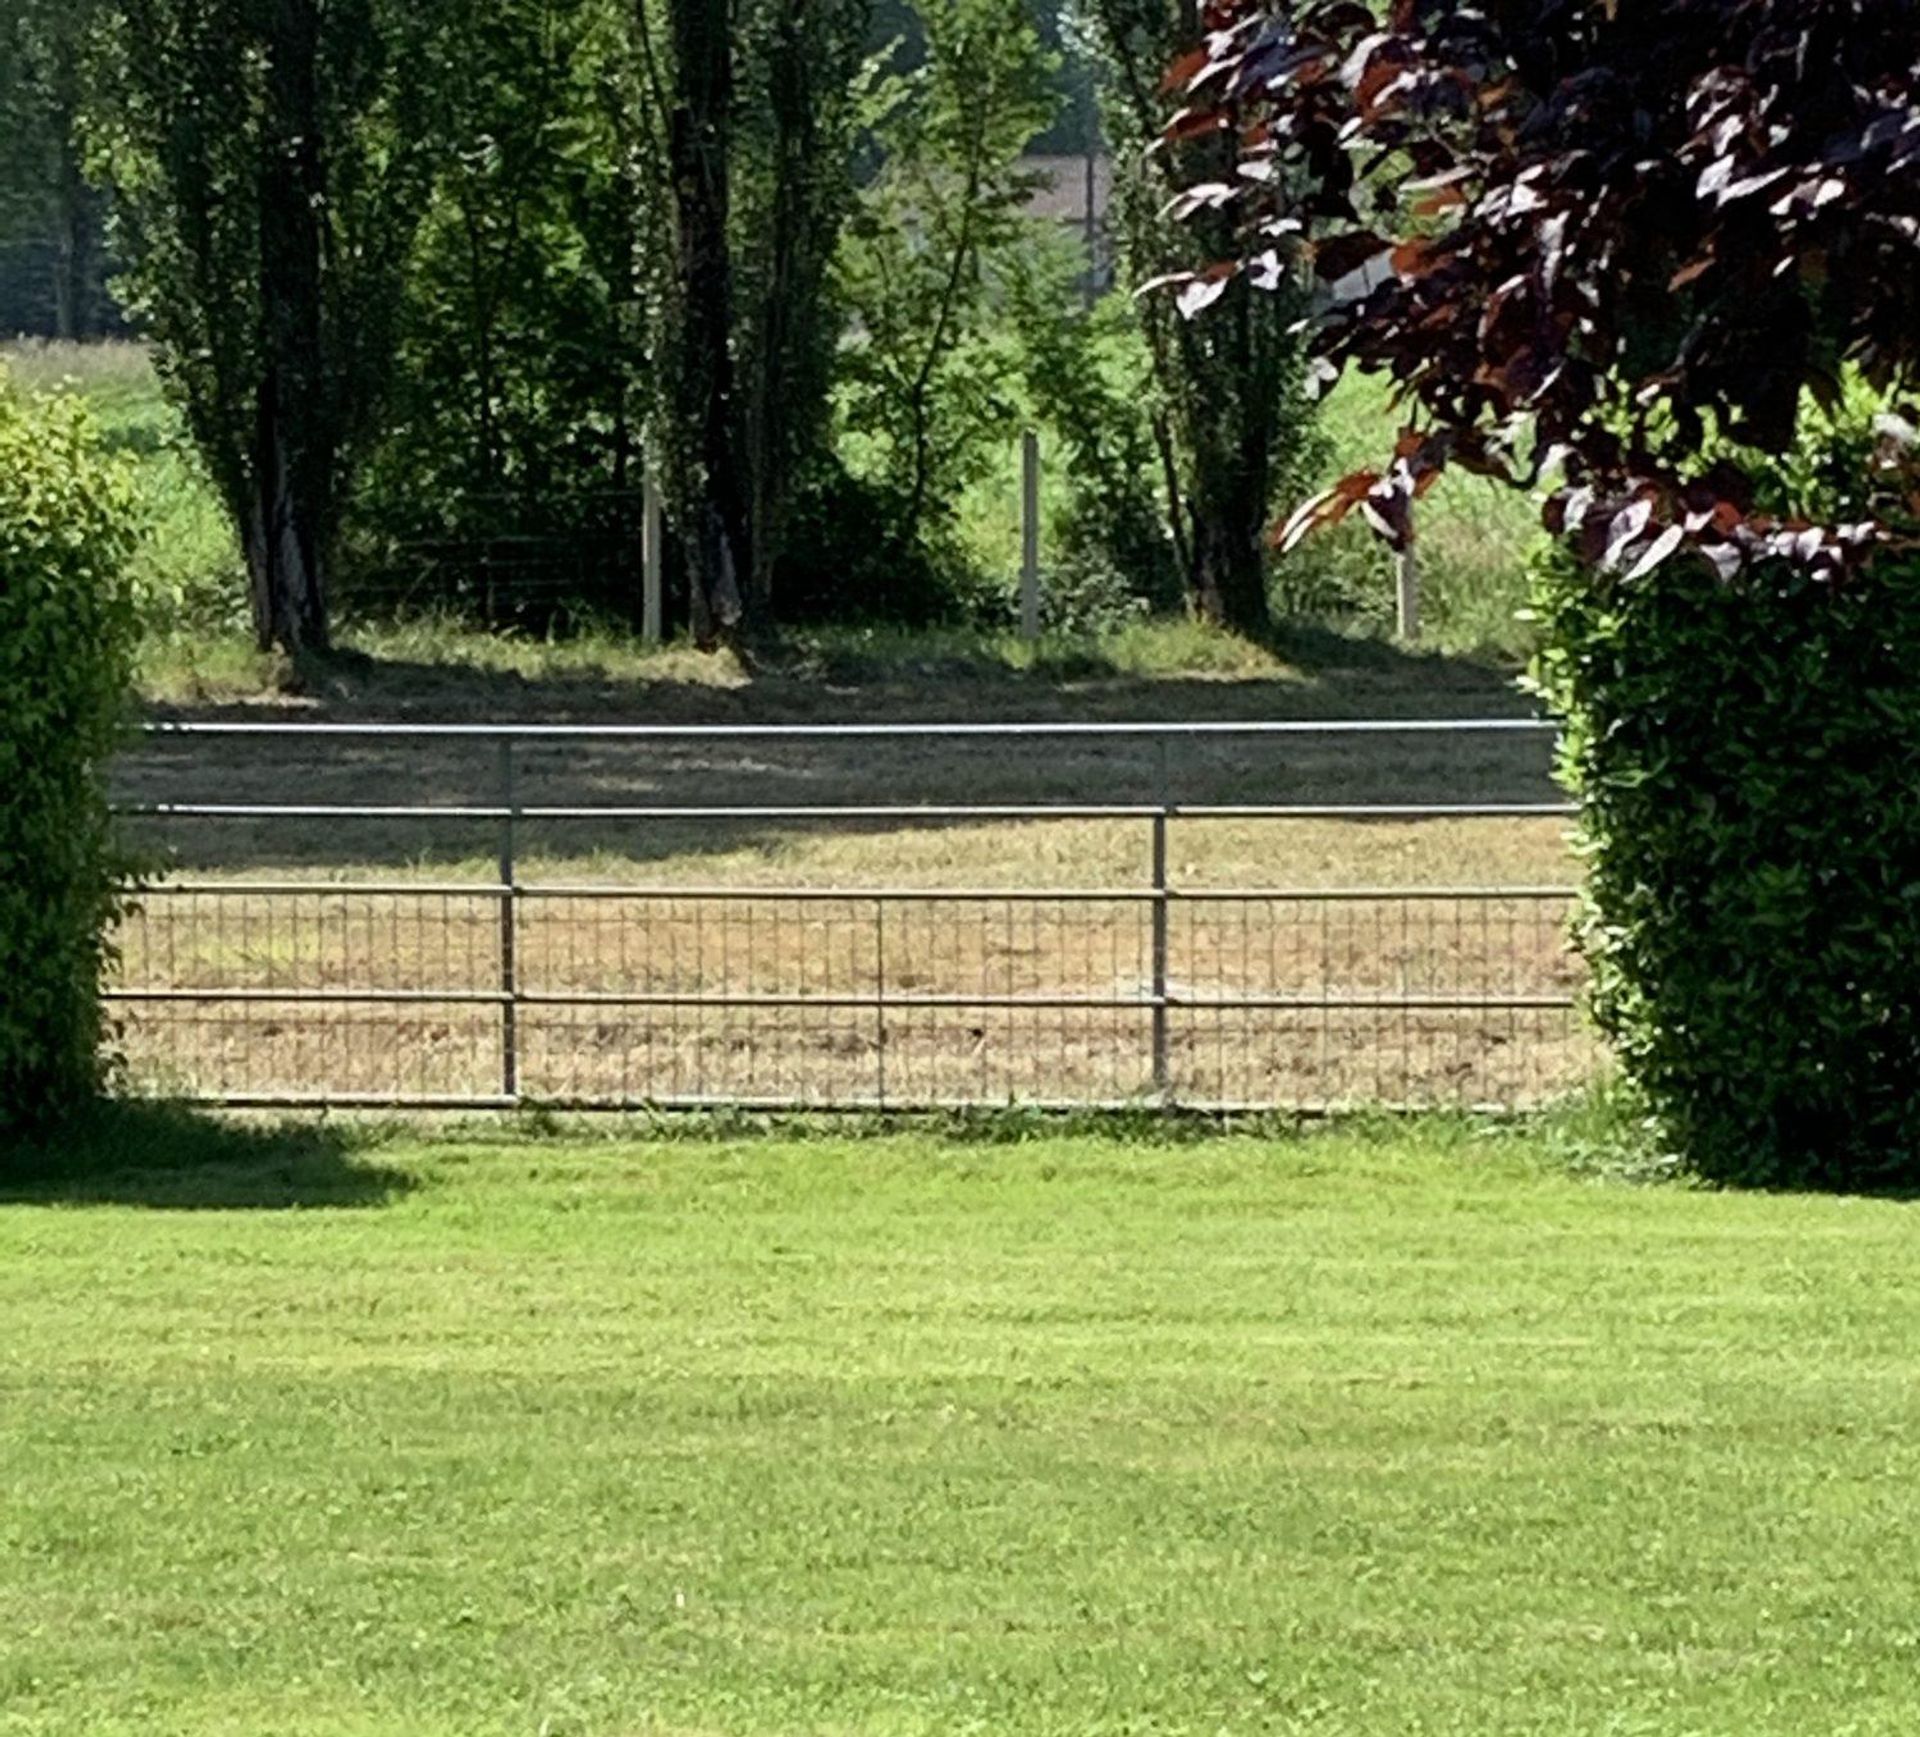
53, 262
36, 291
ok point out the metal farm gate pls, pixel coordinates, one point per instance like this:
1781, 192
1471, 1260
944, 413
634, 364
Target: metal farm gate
1213, 916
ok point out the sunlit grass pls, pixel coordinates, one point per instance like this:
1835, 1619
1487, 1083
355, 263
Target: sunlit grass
187, 668
1372, 1432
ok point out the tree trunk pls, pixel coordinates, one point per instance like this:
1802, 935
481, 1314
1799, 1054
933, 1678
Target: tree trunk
290, 523
66, 317
1232, 448
286, 567
1229, 575
776, 419
710, 504
77, 216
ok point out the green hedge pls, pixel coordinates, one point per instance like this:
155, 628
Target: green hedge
1747, 761
67, 628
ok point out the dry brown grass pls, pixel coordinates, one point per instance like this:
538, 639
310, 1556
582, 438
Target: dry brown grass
654, 940
649, 931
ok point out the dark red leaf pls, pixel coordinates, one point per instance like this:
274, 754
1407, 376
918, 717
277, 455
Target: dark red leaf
1388, 508
1194, 124
1341, 255
1415, 258
1325, 509
1688, 273
1693, 209
1657, 552
1183, 70
1441, 199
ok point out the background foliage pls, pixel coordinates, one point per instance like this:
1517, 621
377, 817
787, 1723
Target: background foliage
1743, 753
1230, 418
520, 388
267, 167
52, 220
67, 628
928, 380
446, 393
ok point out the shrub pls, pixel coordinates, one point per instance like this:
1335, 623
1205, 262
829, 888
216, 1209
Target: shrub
1082, 368
1622, 251
1743, 753
67, 630
834, 567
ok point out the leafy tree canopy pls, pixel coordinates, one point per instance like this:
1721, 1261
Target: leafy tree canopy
1611, 242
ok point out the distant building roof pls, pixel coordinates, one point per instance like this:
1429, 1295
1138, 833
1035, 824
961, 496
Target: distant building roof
1063, 194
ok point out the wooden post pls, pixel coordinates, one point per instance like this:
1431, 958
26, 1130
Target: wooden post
1030, 536
1092, 294
1406, 573
651, 605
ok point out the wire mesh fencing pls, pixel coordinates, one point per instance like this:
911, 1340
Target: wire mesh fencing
789, 953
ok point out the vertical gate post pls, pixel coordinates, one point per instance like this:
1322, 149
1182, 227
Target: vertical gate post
880, 1002
509, 928
1406, 587
1162, 1070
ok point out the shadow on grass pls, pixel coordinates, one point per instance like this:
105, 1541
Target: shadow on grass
173, 1159
447, 673
1311, 674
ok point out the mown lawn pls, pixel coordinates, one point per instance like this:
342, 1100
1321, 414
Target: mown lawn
1359, 1432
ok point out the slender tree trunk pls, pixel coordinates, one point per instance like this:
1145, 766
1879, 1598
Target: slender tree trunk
1229, 578
81, 247
290, 525
1232, 403
1233, 466
66, 317
766, 426
77, 207
286, 568
710, 503
481, 282
780, 407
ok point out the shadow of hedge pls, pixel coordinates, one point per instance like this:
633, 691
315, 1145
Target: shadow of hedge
171, 1158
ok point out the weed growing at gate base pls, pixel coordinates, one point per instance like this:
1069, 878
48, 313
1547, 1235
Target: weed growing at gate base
1373, 1431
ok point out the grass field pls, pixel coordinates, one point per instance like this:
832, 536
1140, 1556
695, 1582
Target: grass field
1274, 913
1404, 1431
337, 940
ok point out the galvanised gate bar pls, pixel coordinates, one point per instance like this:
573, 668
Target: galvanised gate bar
480, 916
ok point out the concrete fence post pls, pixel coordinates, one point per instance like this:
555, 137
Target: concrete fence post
652, 605
1030, 536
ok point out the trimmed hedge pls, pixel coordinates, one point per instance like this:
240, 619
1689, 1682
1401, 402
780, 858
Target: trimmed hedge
1747, 761
67, 631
